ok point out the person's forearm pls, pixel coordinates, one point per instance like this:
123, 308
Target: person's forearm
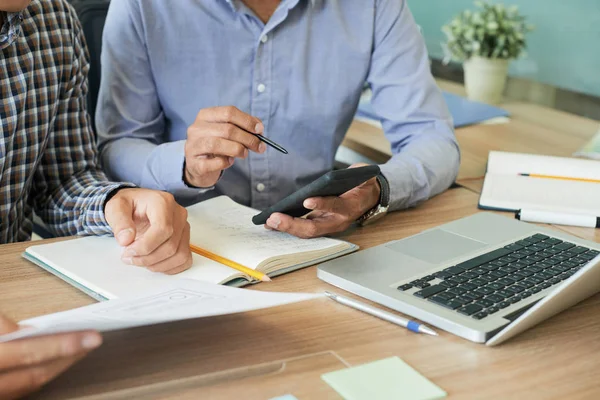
150, 166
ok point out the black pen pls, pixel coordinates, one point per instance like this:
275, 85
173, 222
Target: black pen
270, 143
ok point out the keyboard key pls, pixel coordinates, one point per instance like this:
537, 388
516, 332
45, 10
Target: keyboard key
509, 269
540, 236
528, 283
535, 268
495, 285
514, 247
496, 298
447, 284
536, 279
484, 303
515, 299
554, 281
504, 282
457, 291
458, 279
455, 270
503, 304
406, 287
515, 289
428, 278
525, 243
488, 278
564, 246
446, 295
505, 293
526, 294
564, 276
493, 265
554, 250
469, 275
578, 250
543, 245
442, 274
472, 296
545, 275
484, 258
480, 315
492, 310
470, 309
552, 241
479, 271
545, 285
513, 278
484, 291
453, 305
468, 286
535, 258
462, 300
498, 274
536, 289
478, 282
430, 291
518, 255
422, 285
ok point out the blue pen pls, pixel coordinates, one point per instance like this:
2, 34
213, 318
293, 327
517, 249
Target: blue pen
394, 319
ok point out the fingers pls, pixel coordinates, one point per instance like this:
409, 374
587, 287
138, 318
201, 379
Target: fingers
7, 325
332, 204
36, 351
166, 220
223, 139
18, 383
167, 260
119, 215
307, 228
231, 115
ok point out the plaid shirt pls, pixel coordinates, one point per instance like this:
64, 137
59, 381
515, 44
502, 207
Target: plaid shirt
48, 160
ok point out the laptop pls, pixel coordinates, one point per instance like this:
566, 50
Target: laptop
485, 278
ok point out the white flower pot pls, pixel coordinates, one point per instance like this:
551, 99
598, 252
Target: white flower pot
485, 79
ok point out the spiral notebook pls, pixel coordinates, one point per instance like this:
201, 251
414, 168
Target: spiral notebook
219, 225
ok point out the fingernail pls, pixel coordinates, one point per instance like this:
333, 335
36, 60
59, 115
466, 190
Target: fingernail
91, 341
274, 222
262, 147
128, 261
259, 128
231, 160
129, 253
310, 204
125, 236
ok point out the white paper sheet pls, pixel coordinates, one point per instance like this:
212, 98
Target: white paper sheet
176, 300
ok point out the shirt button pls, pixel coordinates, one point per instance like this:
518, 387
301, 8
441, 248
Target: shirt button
261, 88
260, 187
264, 39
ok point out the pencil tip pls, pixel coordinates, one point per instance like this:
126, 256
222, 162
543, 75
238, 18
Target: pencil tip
265, 278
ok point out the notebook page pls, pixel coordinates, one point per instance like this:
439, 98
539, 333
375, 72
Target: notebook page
514, 192
225, 228
516, 163
95, 262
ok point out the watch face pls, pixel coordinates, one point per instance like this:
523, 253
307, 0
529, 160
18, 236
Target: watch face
375, 216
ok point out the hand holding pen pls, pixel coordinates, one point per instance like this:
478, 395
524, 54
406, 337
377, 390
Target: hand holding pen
217, 137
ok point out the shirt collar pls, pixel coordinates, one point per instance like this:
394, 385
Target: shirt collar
233, 4
11, 28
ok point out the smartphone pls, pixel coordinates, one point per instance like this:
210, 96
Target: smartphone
333, 183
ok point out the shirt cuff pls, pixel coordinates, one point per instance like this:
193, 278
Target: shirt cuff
94, 220
164, 171
408, 184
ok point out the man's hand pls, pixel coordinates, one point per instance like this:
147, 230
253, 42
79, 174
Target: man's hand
330, 214
152, 227
28, 364
217, 137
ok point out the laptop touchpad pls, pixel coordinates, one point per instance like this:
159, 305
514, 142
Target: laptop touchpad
436, 246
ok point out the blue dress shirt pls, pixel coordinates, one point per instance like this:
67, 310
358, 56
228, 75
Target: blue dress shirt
301, 73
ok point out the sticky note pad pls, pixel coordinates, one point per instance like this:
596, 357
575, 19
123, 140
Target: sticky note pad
390, 378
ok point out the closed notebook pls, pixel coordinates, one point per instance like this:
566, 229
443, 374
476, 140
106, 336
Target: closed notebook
505, 189
219, 225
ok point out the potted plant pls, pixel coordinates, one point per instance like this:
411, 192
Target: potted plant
485, 40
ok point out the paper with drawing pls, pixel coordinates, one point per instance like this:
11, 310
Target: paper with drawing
174, 301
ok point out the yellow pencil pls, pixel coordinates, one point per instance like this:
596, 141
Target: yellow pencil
564, 178
231, 264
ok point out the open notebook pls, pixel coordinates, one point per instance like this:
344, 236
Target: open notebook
219, 225
505, 190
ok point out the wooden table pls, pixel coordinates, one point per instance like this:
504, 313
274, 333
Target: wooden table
225, 357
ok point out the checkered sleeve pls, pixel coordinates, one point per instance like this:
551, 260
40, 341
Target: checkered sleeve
69, 187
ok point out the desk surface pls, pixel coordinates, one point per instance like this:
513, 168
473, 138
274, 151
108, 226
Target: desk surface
556, 359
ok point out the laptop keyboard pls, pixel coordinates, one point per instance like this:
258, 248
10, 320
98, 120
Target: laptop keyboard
486, 284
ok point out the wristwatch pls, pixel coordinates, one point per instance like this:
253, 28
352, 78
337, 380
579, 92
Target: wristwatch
381, 209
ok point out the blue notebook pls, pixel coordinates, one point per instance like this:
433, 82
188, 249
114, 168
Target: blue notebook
464, 112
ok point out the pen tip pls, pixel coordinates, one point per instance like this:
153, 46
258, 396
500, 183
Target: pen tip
428, 331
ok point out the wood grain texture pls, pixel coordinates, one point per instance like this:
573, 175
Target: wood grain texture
557, 359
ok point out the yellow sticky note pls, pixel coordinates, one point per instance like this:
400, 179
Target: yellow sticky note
390, 378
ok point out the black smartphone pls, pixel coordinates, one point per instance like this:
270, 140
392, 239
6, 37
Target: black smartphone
333, 183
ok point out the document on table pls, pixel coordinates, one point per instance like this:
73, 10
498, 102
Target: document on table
173, 301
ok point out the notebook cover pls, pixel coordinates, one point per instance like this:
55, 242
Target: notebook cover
464, 112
